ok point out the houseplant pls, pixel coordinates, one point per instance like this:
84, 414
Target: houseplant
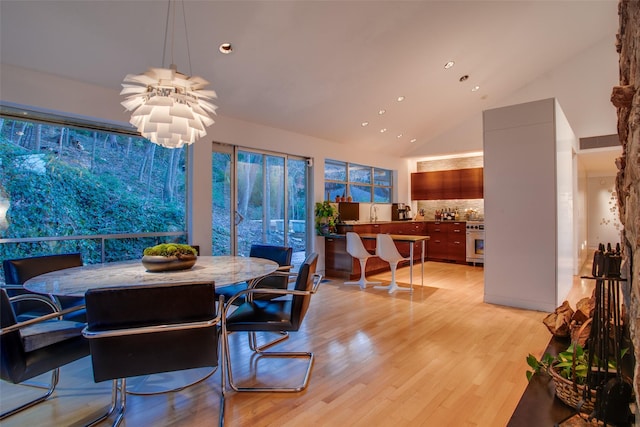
169, 256
326, 215
568, 370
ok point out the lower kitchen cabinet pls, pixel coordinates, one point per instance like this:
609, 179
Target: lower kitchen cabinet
447, 241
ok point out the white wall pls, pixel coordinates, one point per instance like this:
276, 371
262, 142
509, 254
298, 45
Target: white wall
566, 144
522, 241
603, 220
47, 91
580, 210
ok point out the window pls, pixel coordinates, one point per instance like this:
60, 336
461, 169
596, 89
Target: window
258, 197
363, 183
103, 193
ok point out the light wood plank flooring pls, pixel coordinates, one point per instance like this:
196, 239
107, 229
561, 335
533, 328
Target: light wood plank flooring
439, 357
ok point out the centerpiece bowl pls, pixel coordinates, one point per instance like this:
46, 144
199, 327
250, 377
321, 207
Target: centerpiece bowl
169, 257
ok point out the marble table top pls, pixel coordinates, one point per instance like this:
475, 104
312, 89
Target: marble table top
223, 270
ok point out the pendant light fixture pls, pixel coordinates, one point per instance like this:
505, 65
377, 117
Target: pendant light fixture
169, 108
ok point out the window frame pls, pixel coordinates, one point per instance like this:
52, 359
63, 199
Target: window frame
348, 183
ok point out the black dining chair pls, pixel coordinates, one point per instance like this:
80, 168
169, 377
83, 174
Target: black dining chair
255, 315
19, 270
143, 330
36, 346
280, 254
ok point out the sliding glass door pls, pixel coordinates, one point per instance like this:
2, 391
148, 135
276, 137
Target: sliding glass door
258, 198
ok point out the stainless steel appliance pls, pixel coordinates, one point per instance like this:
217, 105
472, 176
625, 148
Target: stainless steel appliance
475, 242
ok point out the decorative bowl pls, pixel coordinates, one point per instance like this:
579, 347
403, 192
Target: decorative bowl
157, 263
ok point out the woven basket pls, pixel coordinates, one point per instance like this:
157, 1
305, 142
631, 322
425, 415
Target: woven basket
571, 393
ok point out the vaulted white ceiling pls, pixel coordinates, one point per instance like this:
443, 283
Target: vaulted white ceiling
318, 68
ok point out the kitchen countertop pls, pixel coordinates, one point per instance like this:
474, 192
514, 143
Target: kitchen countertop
399, 222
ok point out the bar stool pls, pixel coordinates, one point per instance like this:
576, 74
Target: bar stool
356, 249
386, 249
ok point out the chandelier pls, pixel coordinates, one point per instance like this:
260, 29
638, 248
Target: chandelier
169, 108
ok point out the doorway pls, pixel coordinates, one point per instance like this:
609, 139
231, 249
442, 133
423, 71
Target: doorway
258, 197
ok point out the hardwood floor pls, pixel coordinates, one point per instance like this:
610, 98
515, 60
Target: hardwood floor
438, 357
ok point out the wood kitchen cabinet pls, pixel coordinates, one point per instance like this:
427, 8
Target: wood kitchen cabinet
471, 183
448, 184
338, 262
427, 186
447, 241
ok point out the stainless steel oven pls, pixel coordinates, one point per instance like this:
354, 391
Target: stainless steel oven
475, 242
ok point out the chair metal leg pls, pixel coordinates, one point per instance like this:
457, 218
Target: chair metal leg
55, 375
253, 341
363, 282
223, 375
234, 386
114, 403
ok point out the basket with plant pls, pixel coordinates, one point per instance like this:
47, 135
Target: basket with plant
568, 370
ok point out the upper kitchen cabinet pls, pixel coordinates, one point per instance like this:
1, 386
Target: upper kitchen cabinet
447, 184
427, 185
471, 183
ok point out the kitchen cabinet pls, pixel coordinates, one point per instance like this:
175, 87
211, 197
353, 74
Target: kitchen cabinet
447, 241
427, 186
338, 262
448, 184
471, 183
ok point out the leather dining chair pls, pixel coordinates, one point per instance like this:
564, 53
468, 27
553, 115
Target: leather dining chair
386, 249
356, 249
274, 315
36, 346
280, 254
19, 270
143, 330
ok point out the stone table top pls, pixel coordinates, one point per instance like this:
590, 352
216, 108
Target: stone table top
223, 270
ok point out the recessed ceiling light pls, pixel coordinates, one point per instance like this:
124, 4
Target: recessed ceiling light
449, 65
464, 78
475, 88
381, 112
400, 98
225, 48
399, 136
363, 124
413, 140
383, 130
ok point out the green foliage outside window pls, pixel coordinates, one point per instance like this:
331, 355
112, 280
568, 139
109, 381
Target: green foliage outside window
61, 181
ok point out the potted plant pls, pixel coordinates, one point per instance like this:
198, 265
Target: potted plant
169, 256
326, 215
568, 370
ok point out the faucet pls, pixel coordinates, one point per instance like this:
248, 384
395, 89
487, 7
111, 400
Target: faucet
373, 212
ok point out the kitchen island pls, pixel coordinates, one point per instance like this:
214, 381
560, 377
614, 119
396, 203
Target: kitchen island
446, 244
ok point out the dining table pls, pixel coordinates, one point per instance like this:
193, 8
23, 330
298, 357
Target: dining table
222, 270
411, 239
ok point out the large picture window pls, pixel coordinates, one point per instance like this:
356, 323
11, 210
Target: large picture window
362, 183
69, 189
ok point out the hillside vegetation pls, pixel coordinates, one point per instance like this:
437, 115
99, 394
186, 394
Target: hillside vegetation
58, 181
